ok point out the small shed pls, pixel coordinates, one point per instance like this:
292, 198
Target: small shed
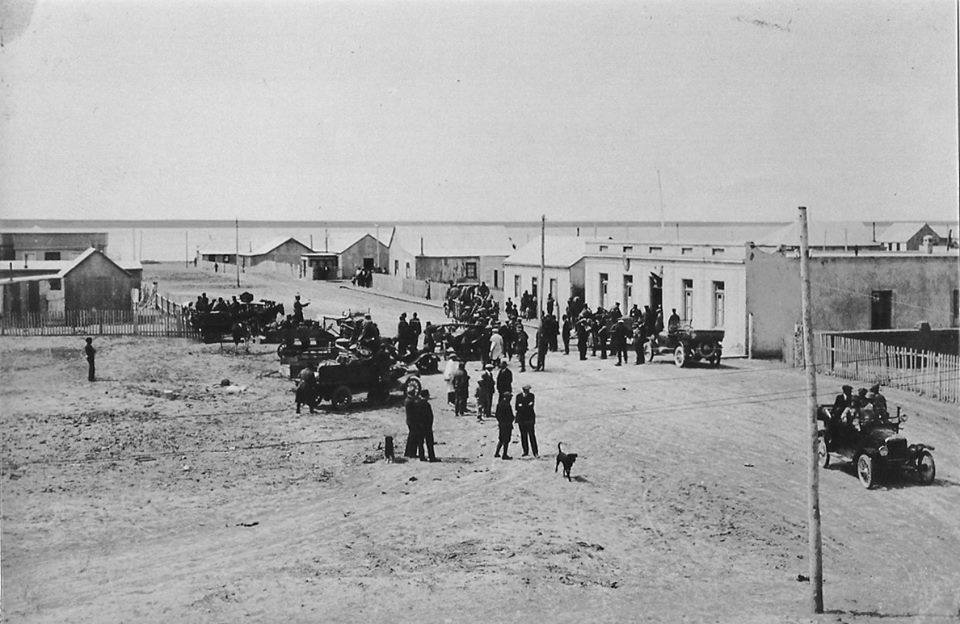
279, 254
341, 253
907, 236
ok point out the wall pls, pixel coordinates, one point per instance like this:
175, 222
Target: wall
841, 287
447, 269
97, 283
15, 297
366, 247
287, 253
673, 271
410, 287
400, 259
14, 245
527, 273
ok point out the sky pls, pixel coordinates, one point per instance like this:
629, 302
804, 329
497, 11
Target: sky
478, 110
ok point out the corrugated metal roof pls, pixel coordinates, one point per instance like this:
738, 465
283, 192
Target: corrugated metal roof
558, 251
454, 241
271, 245
338, 241
56, 266
822, 233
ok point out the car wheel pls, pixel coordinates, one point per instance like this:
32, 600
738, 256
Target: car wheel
866, 471
715, 361
680, 356
341, 397
823, 455
648, 351
926, 468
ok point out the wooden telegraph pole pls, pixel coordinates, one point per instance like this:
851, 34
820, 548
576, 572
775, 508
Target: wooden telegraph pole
815, 554
236, 256
540, 297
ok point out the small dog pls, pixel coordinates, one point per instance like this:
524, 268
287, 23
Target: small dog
566, 459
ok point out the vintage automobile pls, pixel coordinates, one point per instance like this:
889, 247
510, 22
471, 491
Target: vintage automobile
687, 345
376, 374
213, 326
874, 444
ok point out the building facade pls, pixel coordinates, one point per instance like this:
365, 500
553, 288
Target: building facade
36, 244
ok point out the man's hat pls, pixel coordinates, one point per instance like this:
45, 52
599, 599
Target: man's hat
526, 386
846, 388
875, 388
488, 367
425, 393
503, 363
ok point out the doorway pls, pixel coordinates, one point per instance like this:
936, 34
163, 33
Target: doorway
656, 292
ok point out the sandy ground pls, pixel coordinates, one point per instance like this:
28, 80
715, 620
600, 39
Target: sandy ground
154, 495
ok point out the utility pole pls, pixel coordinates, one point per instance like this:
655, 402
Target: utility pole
815, 552
660, 186
543, 238
236, 256
186, 247
378, 245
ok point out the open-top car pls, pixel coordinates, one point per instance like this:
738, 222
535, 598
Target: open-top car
687, 345
873, 443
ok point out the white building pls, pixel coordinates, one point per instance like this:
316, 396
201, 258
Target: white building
563, 268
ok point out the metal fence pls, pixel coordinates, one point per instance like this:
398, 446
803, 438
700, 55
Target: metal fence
929, 373
147, 322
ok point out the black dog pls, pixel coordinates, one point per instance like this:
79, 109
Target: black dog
566, 459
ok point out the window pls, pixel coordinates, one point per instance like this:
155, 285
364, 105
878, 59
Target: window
496, 278
627, 248
688, 301
955, 309
656, 250
516, 286
718, 297
533, 286
604, 278
55, 285
686, 251
51, 255
604, 248
470, 270
407, 270
396, 267
627, 292
553, 288
881, 309
717, 251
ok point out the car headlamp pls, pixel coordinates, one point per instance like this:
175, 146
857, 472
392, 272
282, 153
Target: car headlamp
884, 451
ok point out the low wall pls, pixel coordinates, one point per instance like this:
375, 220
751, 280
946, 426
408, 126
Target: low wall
940, 340
406, 286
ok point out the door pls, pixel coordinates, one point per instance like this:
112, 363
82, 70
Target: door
656, 292
33, 296
627, 293
368, 263
881, 309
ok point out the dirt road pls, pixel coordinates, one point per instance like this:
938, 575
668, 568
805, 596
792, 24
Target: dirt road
154, 495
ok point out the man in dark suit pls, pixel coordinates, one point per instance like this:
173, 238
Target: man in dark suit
526, 421
619, 341
504, 379
91, 354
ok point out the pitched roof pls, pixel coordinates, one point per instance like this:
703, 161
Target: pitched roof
558, 251
271, 245
901, 232
822, 234
72, 264
55, 266
450, 241
338, 241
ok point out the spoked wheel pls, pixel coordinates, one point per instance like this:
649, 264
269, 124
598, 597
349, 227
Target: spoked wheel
648, 351
715, 361
926, 468
341, 397
823, 455
866, 471
533, 360
680, 356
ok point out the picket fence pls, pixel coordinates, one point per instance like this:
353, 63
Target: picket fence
138, 322
936, 375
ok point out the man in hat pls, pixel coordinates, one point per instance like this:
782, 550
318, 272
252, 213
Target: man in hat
496, 347
520, 345
369, 335
878, 401
91, 353
424, 418
583, 336
504, 425
565, 332
504, 379
461, 389
298, 309
449, 369
403, 335
619, 341
543, 342
415, 330
526, 420
485, 388
843, 400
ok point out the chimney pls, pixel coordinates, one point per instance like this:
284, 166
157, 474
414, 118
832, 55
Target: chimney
421, 245
874, 231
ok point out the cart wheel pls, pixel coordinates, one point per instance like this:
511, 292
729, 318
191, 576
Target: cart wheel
823, 455
648, 351
865, 471
533, 360
680, 356
341, 397
926, 468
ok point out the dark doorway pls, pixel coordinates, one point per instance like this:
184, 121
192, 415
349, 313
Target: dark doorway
881, 309
368, 263
656, 292
33, 296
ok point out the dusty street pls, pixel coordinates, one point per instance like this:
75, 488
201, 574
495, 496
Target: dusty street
154, 495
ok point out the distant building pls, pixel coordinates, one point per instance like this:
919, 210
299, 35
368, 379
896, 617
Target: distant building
90, 281
39, 244
469, 254
341, 253
563, 268
907, 236
824, 236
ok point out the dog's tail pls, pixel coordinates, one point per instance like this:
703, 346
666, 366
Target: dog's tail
559, 450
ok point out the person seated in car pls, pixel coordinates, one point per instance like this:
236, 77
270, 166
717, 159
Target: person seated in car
843, 400
878, 401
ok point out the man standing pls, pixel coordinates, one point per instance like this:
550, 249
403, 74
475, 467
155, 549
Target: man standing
298, 309
504, 379
411, 411
526, 420
91, 353
496, 347
542, 344
504, 425
415, 330
485, 388
583, 335
424, 416
550, 303
673, 323
461, 388
403, 334
603, 333
638, 342
619, 341
520, 345
565, 334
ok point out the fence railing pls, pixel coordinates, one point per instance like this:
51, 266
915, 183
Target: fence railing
148, 322
929, 373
